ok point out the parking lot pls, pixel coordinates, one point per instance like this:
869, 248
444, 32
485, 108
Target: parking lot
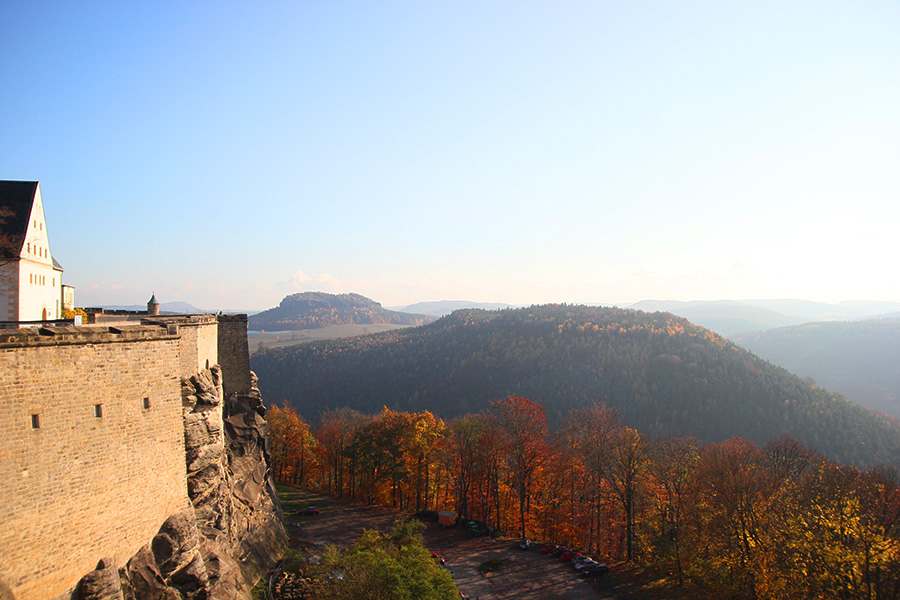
522, 575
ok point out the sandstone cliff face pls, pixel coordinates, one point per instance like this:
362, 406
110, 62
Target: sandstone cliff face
233, 533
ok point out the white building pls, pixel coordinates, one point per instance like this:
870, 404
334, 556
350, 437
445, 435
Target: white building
30, 279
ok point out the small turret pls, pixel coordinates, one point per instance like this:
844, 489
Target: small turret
153, 306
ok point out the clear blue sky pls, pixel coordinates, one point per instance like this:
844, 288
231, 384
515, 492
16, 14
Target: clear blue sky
230, 153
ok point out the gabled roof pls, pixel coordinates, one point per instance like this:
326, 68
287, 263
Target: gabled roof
16, 201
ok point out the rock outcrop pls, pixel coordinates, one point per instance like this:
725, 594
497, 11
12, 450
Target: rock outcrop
234, 531
103, 582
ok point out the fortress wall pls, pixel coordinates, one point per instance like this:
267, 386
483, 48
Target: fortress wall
234, 355
199, 347
80, 486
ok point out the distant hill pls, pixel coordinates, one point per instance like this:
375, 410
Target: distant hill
725, 318
850, 310
859, 359
665, 375
312, 310
730, 317
445, 307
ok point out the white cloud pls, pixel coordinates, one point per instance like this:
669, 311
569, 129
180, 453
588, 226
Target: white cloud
301, 281
299, 278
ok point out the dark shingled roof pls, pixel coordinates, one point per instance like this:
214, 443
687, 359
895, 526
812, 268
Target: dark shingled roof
16, 200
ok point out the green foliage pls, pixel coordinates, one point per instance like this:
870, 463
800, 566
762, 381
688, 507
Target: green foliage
664, 375
392, 566
312, 310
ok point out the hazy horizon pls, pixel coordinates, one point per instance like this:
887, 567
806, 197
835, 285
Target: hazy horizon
173, 304
229, 154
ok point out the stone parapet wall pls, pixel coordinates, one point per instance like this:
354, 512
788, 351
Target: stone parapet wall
31, 337
80, 482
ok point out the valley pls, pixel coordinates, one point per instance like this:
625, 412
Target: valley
281, 339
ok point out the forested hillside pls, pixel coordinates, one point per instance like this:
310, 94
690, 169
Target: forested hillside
859, 359
663, 374
311, 310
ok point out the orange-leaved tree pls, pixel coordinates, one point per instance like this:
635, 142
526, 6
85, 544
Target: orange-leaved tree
293, 446
523, 424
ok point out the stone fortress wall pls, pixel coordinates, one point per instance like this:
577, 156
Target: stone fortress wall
92, 441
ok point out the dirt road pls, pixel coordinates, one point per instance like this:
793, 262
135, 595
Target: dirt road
523, 575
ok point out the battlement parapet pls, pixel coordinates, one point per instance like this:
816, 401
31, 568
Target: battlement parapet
147, 329
83, 334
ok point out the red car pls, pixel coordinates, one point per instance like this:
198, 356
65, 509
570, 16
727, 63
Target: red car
309, 510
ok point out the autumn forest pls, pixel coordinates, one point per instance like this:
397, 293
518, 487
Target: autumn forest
728, 519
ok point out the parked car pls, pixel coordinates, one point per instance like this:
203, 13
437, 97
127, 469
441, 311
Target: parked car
525, 544
559, 551
595, 570
569, 555
548, 548
582, 562
309, 510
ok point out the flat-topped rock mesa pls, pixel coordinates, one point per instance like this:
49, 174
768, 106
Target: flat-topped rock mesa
313, 310
134, 462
